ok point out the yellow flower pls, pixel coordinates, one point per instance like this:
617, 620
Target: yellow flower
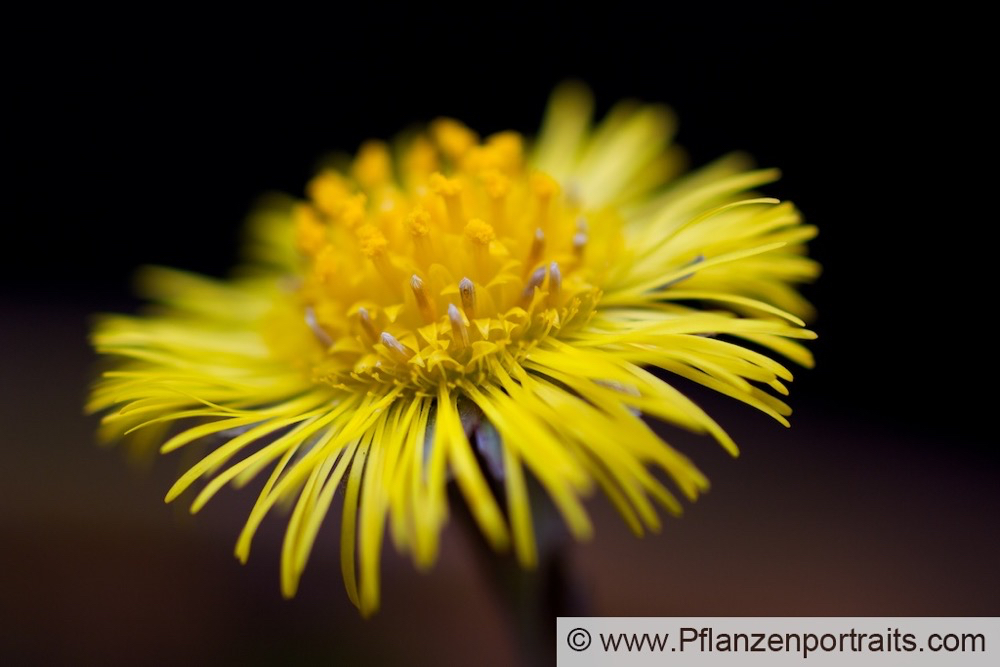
452, 308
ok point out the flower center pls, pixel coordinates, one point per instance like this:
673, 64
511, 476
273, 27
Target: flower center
443, 262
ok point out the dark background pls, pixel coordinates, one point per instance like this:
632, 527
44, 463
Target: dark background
149, 144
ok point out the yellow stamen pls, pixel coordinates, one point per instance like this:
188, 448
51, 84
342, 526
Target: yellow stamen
506, 149
371, 241
450, 190
352, 212
544, 188
537, 248
479, 232
419, 161
420, 294
467, 290
452, 137
310, 233
325, 264
537, 280
460, 332
419, 223
402, 352
497, 185
317, 330
373, 166
555, 282
328, 190
367, 327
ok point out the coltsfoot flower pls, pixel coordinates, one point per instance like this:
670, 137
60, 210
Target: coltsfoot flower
456, 309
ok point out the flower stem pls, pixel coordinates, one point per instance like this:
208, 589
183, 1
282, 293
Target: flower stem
531, 598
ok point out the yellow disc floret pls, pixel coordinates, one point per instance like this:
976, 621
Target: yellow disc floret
440, 275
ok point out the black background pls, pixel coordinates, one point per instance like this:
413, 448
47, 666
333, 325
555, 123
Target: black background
146, 140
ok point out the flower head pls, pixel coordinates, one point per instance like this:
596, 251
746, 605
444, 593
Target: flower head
452, 308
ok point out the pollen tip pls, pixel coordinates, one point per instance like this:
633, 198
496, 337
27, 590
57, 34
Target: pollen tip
373, 164
479, 231
537, 247
555, 279
543, 185
371, 240
453, 137
458, 327
444, 186
554, 274
313, 323
390, 342
366, 324
536, 280
537, 277
418, 222
497, 185
420, 294
467, 290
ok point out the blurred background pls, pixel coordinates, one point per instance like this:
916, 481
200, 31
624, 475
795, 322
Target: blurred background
150, 144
